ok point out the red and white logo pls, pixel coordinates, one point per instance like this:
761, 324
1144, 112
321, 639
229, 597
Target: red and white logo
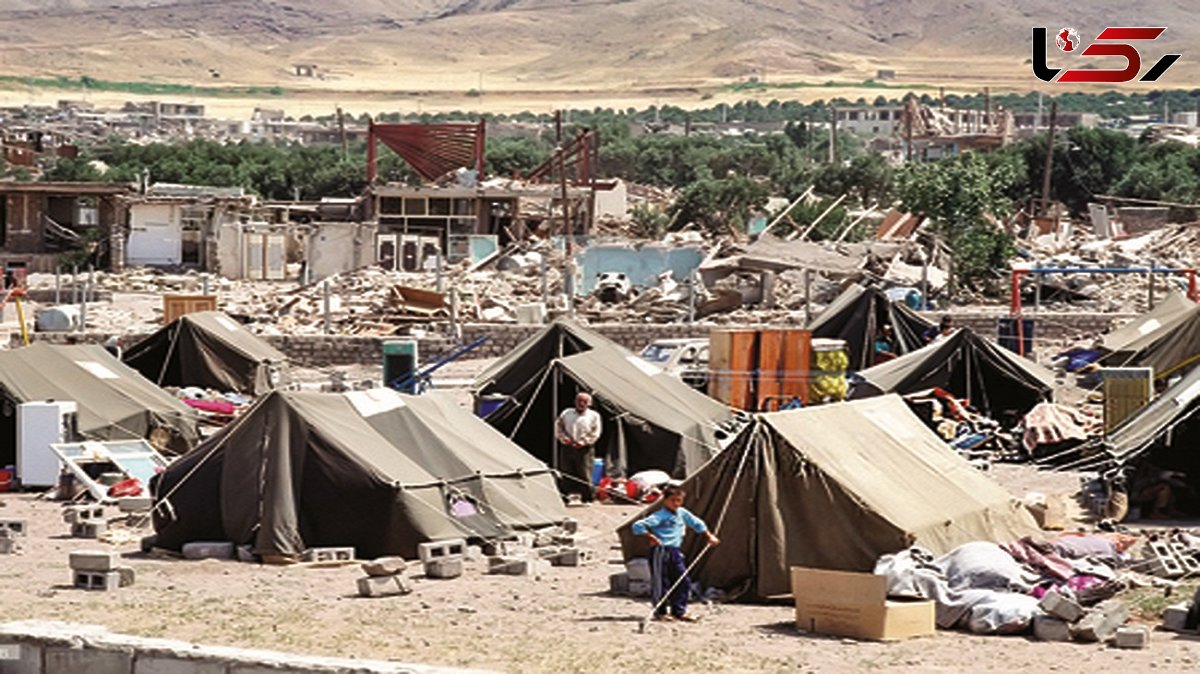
1112, 41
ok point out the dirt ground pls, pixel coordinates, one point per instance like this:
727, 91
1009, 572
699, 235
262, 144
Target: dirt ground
563, 622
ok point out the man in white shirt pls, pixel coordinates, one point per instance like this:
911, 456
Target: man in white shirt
577, 430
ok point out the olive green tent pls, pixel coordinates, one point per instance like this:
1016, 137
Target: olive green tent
859, 314
1167, 338
114, 402
651, 420
211, 350
835, 487
374, 470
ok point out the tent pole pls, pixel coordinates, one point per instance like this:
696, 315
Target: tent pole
162, 372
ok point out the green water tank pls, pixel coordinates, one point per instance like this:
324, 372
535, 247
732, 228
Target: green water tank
399, 361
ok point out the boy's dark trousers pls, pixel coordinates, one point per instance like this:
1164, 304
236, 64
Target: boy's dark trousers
667, 566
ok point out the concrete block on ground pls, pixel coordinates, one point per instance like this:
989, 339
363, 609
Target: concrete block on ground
75, 514
504, 548
518, 566
145, 664
135, 504
1061, 606
1175, 617
63, 660
91, 529
549, 552
328, 555
382, 586
208, 550
446, 567
445, 549
20, 658
639, 569
384, 566
1132, 636
570, 525
127, 575
618, 583
93, 560
105, 581
1050, 628
15, 527
572, 557
639, 588
1101, 621
8, 546
474, 553
567, 540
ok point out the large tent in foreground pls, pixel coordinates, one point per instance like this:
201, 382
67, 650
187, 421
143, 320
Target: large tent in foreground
376, 470
995, 380
651, 419
835, 487
113, 401
211, 350
857, 316
1166, 338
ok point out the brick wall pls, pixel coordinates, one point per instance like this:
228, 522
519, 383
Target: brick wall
325, 351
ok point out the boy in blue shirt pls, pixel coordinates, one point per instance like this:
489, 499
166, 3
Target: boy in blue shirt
665, 528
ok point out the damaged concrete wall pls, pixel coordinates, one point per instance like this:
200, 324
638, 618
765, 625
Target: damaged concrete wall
337, 247
641, 265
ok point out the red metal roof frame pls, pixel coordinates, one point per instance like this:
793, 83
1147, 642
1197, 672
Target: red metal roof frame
432, 150
579, 156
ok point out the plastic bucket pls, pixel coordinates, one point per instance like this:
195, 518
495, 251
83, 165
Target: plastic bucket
7, 477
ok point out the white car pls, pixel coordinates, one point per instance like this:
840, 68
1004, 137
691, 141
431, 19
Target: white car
683, 358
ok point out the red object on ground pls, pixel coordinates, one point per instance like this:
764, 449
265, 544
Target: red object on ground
130, 487
6, 480
214, 406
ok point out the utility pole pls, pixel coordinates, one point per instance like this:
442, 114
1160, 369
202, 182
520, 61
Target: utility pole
908, 124
833, 135
568, 260
342, 132
558, 128
987, 109
1049, 158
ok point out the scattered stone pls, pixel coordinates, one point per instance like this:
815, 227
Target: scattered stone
1050, 628
1132, 636
1100, 623
1061, 606
384, 566
1175, 617
382, 586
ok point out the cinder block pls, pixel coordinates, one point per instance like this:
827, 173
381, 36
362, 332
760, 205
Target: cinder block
381, 586
1165, 566
76, 514
639, 588
572, 557
328, 555
1175, 617
570, 525
450, 548
15, 527
62, 660
1101, 621
384, 566
1049, 628
1061, 606
91, 529
639, 569
618, 583
135, 504
444, 567
168, 665
208, 550
106, 581
127, 575
22, 658
8, 546
1132, 636
93, 560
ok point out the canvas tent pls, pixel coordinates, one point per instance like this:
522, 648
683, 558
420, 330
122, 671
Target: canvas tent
651, 420
376, 470
835, 487
114, 402
993, 378
859, 313
210, 350
1167, 338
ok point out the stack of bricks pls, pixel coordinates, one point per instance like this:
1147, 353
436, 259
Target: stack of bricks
10, 530
443, 559
385, 576
98, 570
87, 521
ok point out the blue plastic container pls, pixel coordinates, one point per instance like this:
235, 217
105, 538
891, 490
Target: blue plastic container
597, 470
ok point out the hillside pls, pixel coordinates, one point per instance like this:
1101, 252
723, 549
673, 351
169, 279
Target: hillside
564, 47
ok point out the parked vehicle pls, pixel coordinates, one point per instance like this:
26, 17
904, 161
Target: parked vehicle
683, 358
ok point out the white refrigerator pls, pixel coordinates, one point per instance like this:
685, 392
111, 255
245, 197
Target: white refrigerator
40, 424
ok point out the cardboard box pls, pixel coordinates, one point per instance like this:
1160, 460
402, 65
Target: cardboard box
846, 604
